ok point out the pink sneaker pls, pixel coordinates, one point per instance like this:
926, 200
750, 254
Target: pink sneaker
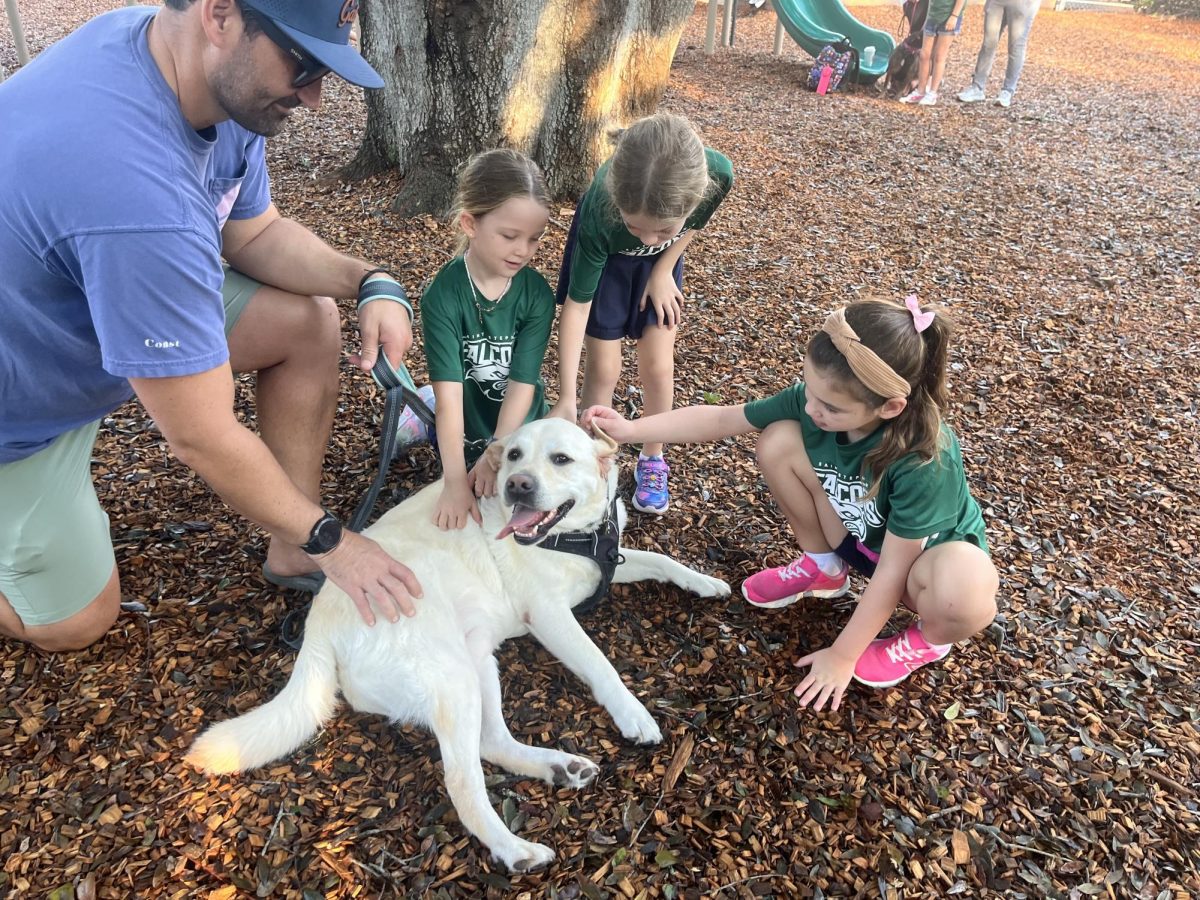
888, 661
784, 585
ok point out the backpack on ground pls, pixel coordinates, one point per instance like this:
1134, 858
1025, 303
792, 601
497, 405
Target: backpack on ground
841, 58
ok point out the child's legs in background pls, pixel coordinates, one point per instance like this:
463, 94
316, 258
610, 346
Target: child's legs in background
924, 64
1020, 21
952, 587
993, 22
941, 50
656, 371
601, 370
784, 463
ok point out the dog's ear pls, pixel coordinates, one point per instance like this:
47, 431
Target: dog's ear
494, 454
606, 449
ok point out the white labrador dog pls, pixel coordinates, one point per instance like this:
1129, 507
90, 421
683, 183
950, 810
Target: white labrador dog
482, 586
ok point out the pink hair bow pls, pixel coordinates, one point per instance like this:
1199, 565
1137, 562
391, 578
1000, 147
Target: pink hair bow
921, 320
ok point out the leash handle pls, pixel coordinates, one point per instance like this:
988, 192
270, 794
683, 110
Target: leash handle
399, 391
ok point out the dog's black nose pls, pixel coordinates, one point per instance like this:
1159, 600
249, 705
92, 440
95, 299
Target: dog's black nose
518, 487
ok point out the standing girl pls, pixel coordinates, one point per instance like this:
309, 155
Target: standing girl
622, 273
943, 23
487, 320
868, 475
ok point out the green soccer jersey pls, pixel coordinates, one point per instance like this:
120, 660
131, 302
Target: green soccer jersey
484, 350
939, 11
601, 233
914, 500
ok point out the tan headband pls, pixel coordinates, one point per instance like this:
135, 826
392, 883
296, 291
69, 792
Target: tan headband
872, 371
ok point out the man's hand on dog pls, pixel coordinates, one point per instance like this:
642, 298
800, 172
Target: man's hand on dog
372, 579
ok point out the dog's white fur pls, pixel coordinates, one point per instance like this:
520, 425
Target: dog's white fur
437, 669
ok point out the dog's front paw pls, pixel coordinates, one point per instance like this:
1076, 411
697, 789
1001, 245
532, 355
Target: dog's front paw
523, 856
714, 587
638, 725
573, 771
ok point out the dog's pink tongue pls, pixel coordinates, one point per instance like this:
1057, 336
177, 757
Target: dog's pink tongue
522, 517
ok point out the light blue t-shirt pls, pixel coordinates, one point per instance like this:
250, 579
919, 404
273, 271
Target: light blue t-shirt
111, 208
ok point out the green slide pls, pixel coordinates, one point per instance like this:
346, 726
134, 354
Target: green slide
814, 23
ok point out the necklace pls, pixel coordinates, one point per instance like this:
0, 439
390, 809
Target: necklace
483, 306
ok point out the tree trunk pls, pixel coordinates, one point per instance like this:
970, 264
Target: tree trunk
548, 77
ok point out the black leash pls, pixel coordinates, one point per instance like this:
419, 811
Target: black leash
399, 391
602, 546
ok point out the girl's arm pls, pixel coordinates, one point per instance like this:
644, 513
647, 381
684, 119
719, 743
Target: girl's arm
686, 425
661, 289
456, 501
832, 668
571, 325
518, 400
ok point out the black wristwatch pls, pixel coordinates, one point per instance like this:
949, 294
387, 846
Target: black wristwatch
325, 535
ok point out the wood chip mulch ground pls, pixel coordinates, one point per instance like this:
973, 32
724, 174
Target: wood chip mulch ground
1056, 756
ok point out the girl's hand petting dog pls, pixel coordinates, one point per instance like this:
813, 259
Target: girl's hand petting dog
482, 477
455, 506
610, 421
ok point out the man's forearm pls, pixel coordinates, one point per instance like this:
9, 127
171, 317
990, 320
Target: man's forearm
244, 473
287, 255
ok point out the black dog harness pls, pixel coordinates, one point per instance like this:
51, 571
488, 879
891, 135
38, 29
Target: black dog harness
602, 546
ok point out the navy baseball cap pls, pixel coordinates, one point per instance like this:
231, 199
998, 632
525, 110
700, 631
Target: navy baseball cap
321, 28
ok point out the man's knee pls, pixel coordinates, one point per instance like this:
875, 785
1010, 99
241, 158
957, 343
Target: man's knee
85, 627
324, 324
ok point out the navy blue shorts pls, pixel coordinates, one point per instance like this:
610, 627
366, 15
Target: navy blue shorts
614, 313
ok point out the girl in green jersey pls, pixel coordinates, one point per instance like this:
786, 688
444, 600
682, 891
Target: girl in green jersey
868, 476
487, 318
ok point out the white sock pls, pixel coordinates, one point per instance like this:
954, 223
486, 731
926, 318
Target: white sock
829, 563
939, 649
655, 456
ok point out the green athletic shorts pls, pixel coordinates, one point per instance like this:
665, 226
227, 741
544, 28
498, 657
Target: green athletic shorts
56, 551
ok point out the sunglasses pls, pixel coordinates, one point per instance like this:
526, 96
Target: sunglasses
311, 69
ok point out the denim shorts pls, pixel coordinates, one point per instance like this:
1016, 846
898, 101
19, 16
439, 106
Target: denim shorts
932, 27
56, 550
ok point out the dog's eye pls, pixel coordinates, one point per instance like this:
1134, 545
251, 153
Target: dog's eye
560, 459
514, 454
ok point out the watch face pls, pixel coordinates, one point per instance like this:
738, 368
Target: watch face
325, 536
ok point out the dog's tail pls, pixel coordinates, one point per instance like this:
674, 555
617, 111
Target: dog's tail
278, 727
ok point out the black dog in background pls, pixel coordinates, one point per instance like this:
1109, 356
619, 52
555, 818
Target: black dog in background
902, 64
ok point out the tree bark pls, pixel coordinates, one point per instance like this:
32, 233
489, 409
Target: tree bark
548, 77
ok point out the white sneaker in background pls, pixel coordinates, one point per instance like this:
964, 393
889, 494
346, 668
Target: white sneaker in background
929, 99
1005, 99
914, 97
972, 94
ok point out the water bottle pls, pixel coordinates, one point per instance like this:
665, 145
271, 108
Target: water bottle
826, 77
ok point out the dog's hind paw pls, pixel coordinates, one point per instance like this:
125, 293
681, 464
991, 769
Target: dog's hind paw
524, 856
716, 588
576, 772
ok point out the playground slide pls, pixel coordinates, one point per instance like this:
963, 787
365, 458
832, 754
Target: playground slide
814, 23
